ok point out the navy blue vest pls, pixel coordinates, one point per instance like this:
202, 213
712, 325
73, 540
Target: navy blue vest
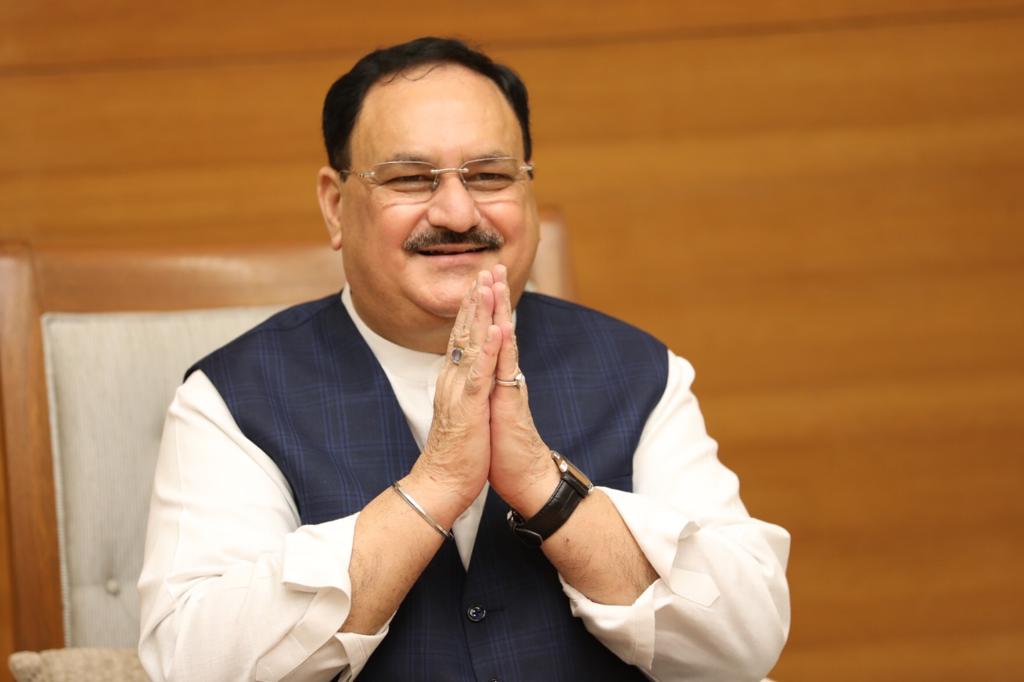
306, 389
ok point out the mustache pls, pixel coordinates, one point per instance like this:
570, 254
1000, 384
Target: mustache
473, 237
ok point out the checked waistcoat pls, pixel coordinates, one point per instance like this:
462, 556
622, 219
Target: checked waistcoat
306, 389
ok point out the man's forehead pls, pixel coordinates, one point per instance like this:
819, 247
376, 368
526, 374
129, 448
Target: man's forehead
427, 111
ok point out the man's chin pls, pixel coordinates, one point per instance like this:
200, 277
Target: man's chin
447, 308
444, 302
441, 293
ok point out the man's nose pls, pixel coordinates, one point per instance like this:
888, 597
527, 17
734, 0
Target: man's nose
452, 207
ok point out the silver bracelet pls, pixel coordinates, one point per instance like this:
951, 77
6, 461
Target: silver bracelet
422, 512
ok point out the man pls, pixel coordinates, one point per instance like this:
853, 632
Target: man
378, 483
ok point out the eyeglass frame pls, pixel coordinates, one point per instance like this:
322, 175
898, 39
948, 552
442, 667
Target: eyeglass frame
367, 175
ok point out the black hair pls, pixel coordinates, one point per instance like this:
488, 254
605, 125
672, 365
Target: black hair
345, 97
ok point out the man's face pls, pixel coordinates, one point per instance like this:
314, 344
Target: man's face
445, 115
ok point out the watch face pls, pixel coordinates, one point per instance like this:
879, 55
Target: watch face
565, 465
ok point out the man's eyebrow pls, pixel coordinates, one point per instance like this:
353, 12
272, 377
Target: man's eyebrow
412, 156
492, 154
407, 156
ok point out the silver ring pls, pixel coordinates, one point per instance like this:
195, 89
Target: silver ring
515, 382
456, 355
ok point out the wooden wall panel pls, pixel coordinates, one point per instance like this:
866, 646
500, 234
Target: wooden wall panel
44, 34
208, 148
817, 203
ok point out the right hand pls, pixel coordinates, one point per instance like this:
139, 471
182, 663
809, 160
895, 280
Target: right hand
455, 461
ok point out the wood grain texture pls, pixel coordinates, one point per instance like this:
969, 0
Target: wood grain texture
174, 159
817, 203
109, 32
36, 599
90, 280
7, 610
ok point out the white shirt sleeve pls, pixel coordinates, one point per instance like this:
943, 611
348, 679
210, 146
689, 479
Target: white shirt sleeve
232, 587
720, 607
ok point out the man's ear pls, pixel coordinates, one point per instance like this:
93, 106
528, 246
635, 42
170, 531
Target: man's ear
328, 191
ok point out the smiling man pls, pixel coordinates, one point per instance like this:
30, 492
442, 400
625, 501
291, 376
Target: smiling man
437, 476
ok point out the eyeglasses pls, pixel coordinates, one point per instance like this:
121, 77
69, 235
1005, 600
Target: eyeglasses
416, 181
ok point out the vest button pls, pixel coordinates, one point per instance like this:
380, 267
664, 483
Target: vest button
476, 613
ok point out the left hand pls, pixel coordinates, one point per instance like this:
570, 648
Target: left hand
521, 472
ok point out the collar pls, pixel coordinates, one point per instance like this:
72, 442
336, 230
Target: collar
398, 361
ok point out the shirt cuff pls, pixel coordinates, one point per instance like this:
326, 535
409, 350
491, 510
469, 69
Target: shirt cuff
317, 556
660, 531
316, 559
359, 647
628, 631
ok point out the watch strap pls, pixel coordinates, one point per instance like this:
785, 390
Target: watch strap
568, 494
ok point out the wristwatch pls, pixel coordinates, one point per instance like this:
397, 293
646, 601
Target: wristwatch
571, 490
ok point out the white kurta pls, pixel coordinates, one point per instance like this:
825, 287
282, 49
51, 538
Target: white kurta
234, 588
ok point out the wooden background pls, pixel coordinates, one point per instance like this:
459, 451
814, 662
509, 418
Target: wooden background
819, 204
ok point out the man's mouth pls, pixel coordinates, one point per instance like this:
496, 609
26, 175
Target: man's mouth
452, 249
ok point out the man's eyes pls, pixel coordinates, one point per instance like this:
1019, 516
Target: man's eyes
489, 180
420, 180
417, 181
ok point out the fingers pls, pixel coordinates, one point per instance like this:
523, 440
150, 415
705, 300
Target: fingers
460, 330
478, 341
481, 371
508, 355
483, 315
503, 301
469, 315
507, 365
500, 273
484, 339
484, 334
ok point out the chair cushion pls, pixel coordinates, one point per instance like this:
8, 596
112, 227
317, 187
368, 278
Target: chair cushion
110, 378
